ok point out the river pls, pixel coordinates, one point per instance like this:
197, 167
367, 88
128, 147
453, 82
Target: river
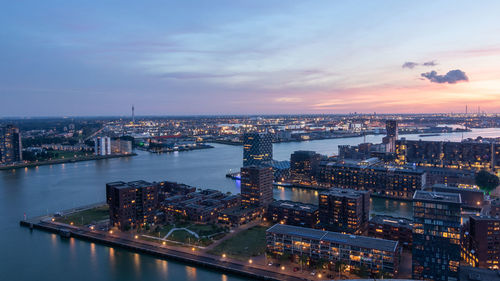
47, 189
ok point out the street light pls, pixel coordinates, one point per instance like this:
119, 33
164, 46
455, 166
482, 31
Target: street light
137, 236
193, 249
223, 255
250, 261
283, 268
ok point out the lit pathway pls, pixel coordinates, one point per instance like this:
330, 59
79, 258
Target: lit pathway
174, 229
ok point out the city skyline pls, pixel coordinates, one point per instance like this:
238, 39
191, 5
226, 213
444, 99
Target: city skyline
197, 58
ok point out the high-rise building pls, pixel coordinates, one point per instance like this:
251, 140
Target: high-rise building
304, 166
392, 135
131, 204
436, 235
481, 242
102, 146
391, 127
10, 145
344, 210
256, 186
257, 148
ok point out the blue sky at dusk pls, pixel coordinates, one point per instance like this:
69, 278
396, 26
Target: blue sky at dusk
248, 57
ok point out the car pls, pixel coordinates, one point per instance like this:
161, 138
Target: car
270, 264
313, 273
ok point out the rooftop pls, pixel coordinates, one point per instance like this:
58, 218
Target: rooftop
435, 196
294, 205
345, 192
352, 240
393, 221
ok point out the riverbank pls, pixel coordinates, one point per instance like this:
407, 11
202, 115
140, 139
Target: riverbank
65, 160
225, 265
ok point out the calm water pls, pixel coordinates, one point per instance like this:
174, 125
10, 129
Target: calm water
46, 189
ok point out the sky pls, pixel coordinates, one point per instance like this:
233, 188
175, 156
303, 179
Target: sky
87, 58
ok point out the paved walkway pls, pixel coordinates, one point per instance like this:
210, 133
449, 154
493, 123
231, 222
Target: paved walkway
183, 228
128, 241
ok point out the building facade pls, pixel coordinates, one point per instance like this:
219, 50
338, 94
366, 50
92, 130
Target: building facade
10, 145
132, 204
304, 167
256, 186
120, 146
390, 182
481, 242
455, 155
102, 146
344, 210
377, 255
391, 228
292, 213
257, 148
436, 235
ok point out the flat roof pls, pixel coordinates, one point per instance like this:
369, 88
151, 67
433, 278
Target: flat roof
394, 221
435, 196
347, 239
139, 183
416, 171
294, 205
345, 192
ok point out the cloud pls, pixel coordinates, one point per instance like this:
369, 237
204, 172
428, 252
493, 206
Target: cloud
452, 77
430, 63
409, 64
288, 99
194, 75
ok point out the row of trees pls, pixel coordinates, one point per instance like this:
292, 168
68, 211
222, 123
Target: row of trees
487, 181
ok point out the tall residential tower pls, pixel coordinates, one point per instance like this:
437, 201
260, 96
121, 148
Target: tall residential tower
257, 148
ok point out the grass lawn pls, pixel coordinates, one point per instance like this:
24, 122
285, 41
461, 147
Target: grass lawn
205, 229
182, 236
164, 229
248, 243
61, 154
87, 216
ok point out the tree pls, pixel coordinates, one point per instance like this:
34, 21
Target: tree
487, 181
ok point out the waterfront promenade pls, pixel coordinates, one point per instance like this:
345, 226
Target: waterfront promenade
64, 160
186, 255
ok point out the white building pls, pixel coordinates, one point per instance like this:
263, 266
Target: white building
102, 146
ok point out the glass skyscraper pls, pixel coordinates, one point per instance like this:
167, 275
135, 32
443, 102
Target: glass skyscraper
257, 148
436, 235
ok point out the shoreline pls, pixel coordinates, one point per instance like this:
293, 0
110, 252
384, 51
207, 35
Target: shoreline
163, 252
66, 160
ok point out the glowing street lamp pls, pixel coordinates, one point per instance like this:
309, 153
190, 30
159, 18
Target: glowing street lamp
250, 261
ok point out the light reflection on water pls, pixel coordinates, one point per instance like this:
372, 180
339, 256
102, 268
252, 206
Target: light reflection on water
41, 189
